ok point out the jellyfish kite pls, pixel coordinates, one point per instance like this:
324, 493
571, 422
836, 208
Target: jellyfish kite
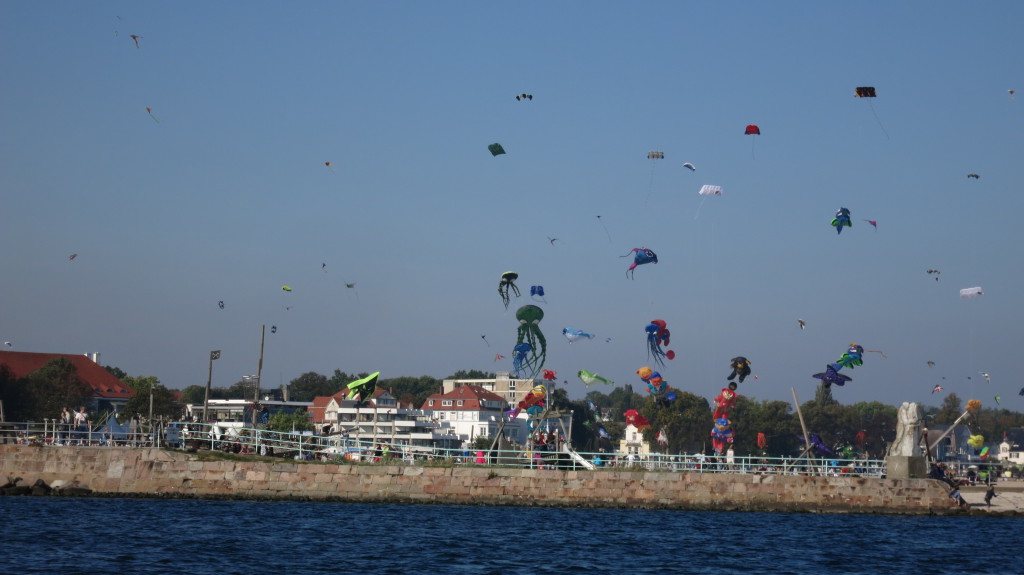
658, 336
740, 367
537, 294
641, 256
589, 378
574, 334
496, 149
531, 347
508, 285
842, 219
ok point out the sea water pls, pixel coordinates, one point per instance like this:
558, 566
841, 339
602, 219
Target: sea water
67, 536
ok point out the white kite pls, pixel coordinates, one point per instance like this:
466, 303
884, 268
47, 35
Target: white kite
971, 292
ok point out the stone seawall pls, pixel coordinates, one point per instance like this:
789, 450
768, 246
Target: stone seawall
161, 473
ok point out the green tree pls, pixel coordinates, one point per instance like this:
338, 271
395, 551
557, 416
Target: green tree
115, 371
164, 404
309, 385
952, 407
297, 420
472, 374
775, 419
411, 390
54, 386
686, 421
194, 394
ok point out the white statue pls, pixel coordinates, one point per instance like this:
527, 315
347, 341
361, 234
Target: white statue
908, 424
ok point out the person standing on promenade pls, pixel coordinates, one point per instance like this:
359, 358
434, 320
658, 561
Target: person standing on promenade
65, 424
81, 423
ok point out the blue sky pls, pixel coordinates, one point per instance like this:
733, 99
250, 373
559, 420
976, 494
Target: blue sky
227, 196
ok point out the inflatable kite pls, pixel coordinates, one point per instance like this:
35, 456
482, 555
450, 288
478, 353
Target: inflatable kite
508, 285
589, 378
529, 360
725, 400
817, 443
658, 336
831, 376
638, 421
762, 441
741, 367
655, 384
655, 155
721, 435
535, 398
575, 334
709, 190
537, 294
549, 375
641, 256
852, 358
842, 219
286, 288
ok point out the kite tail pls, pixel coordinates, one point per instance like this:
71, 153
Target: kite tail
752, 140
878, 351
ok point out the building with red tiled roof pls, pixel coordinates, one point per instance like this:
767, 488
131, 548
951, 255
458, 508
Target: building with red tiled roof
474, 411
108, 391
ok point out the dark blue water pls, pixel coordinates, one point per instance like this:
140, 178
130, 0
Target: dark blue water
183, 537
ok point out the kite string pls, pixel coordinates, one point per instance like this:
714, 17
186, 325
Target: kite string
699, 206
870, 105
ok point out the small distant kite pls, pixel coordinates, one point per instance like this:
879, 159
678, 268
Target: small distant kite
552, 240
986, 376
507, 286
997, 398
1011, 93
641, 256
937, 388
521, 97
874, 223
589, 378
496, 149
150, 112
842, 219
537, 294
498, 357
975, 176
323, 267
801, 323
752, 130
286, 288
350, 285
708, 190
135, 38
330, 167
8, 344
865, 92
574, 335
971, 292
72, 257
605, 229
655, 155
690, 166
930, 363
220, 304
484, 337
936, 272
273, 329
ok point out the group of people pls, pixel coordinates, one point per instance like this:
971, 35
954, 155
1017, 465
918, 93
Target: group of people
74, 425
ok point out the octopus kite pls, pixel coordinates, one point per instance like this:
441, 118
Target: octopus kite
508, 285
658, 336
842, 219
641, 256
741, 367
531, 347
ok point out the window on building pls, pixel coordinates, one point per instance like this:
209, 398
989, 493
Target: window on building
459, 403
431, 404
446, 403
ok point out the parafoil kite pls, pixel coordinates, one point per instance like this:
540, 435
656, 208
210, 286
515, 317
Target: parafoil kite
690, 166
537, 293
641, 256
496, 149
589, 378
529, 362
364, 387
864, 92
574, 334
521, 97
655, 155
508, 285
286, 288
936, 272
842, 219
658, 335
707, 190
971, 292
975, 176
752, 130
740, 367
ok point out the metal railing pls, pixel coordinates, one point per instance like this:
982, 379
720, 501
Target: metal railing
339, 448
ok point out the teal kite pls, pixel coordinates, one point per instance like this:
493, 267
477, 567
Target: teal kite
496, 149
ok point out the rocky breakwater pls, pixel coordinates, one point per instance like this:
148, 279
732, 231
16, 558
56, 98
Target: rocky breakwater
163, 473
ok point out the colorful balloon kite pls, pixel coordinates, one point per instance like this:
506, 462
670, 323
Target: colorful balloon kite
589, 378
641, 256
534, 398
527, 363
638, 421
740, 367
508, 285
549, 375
574, 334
656, 385
658, 335
762, 441
496, 149
842, 219
725, 400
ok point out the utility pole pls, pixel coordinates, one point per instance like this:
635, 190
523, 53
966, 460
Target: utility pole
215, 354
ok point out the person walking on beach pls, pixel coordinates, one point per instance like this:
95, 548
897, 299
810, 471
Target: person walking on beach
989, 495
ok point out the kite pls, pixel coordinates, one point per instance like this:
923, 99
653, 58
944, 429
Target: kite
642, 256
762, 441
752, 130
286, 288
220, 304
603, 434
484, 337
852, 358
930, 363
507, 284
496, 149
690, 166
656, 385
528, 361
549, 375
498, 357
971, 292
535, 398
72, 257
605, 229
874, 223
574, 334
331, 168
150, 111
937, 388
273, 329
1021, 391
861, 438
801, 323
741, 367
869, 92
831, 376
936, 272
662, 438
976, 441
997, 398
323, 267
537, 294
842, 219
350, 285
815, 441
135, 38
986, 376
552, 240
721, 434
973, 405
521, 97
725, 400
707, 190
364, 387
8, 344
638, 421
655, 155
1011, 93
589, 378
975, 176
984, 453
658, 336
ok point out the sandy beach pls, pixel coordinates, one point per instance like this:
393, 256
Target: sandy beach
1009, 497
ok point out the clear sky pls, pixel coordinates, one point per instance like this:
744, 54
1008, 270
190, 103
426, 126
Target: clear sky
222, 193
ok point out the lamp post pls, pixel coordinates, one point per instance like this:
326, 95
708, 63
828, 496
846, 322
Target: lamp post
255, 380
215, 354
